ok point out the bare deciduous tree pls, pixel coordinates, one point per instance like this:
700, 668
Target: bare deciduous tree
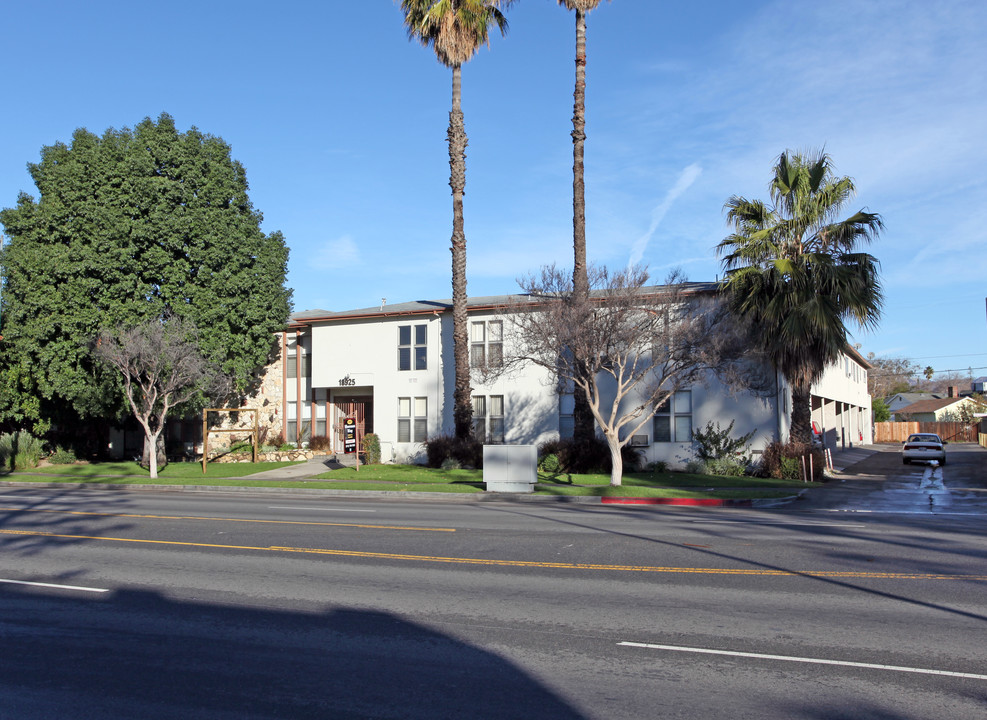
889, 375
639, 344
162, 368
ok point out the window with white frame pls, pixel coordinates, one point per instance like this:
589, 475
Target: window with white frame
488, 418
487, 343
673, 419
412, 419
295, 348
412, 347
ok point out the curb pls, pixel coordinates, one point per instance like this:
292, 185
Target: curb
409, 495
689, 502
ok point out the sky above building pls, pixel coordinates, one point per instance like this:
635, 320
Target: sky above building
341, 122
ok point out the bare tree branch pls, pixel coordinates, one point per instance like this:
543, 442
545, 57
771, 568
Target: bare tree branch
637, 343
161, 367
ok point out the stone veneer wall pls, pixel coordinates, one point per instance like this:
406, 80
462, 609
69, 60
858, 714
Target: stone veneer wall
268, 399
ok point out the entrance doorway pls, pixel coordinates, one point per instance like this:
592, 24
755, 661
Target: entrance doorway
359, 406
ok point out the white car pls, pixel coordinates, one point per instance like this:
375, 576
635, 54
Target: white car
924, 447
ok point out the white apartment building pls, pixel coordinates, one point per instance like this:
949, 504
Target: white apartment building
392, 368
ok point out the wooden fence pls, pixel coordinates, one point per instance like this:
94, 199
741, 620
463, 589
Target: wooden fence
898, 432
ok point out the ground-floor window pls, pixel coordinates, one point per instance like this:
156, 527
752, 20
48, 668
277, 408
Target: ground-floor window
412, 419
673, 419
488, 418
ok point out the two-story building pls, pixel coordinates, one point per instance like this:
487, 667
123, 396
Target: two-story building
392, 368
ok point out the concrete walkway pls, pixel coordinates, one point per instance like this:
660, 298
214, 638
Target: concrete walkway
301, 471
844, 458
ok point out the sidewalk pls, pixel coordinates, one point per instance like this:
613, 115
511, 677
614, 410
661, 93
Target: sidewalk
302, 471
844, 458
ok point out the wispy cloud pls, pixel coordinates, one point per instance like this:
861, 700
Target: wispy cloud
337, 253
685, 179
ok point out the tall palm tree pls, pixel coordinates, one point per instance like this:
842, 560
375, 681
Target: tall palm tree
455, 30
793, 270
584, 424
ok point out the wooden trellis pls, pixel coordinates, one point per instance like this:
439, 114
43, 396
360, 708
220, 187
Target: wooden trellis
206, 431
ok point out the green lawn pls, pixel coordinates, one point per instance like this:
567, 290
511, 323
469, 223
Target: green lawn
398, 478
414, 478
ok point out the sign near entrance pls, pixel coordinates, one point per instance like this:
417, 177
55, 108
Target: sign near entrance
349, 435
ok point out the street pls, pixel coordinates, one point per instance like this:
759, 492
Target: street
121, 604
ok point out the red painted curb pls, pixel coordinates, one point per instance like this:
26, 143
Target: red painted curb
708, 502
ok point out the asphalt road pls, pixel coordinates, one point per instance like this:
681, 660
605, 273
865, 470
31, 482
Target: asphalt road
166, 605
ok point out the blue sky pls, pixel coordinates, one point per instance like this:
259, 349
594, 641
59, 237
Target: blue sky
340, 122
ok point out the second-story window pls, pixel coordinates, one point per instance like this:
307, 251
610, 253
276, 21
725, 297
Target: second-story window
412, 347
487, 344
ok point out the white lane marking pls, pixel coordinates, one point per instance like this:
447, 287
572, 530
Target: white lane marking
51, 585
814, 661
325, 509
775, 524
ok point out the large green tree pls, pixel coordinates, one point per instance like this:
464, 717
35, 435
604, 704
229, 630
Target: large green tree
129, 226
583, 419
455, 30
794, 270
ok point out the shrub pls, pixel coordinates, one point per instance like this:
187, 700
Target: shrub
20, 450
589, 457
791, 468
61, 456
574, 457
240, 447
633, 460
320, 443
696, 467
371, 446
450, 464
468, 452
658, 467
550, 464
726, 466
715, 443
785, 461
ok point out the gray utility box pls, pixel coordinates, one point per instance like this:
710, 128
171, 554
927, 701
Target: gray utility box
510, 468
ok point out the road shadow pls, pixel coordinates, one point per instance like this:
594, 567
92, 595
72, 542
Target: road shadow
135, 654
34, 519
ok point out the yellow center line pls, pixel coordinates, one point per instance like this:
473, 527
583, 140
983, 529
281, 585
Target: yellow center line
222, 519
522, 563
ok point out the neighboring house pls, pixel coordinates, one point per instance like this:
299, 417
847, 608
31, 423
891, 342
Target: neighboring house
899, 401
392, 368
979, 385
938, 409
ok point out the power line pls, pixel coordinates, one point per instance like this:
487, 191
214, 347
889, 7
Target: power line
916, 371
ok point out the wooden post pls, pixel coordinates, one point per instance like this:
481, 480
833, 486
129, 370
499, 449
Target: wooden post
205, 441
255, 436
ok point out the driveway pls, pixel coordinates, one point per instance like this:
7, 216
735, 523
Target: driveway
877, 481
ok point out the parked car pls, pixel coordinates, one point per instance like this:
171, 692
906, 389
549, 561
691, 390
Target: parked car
924, 447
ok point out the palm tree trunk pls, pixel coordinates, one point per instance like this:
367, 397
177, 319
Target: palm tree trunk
580, 277
462, 400
584, 426
801, 413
